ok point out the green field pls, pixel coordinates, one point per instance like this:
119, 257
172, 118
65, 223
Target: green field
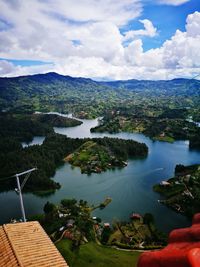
92, 255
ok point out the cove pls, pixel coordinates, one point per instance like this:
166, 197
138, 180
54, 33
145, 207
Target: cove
130, 188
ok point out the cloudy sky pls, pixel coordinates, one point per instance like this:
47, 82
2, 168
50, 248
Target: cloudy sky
101, 39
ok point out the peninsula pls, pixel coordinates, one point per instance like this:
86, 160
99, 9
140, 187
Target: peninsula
182, 192
98, 155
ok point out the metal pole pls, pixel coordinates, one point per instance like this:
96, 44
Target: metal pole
21, 199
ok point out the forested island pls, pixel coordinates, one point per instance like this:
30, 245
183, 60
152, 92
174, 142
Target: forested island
105, 153
182, 192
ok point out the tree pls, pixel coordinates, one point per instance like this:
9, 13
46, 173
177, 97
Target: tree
49, 207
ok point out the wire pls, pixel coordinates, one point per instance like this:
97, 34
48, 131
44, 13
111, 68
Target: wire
6, 178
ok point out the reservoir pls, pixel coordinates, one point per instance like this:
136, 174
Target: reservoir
130, 188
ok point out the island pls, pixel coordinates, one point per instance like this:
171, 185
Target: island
182, 192
98, 155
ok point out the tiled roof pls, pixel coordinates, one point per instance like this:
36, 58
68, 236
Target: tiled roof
27, 245
7, 257
183, 249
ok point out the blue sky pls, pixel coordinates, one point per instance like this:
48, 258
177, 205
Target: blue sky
142, 39
167, 19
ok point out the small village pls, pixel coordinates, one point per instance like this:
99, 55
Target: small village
94, 158
72, 220
181, 192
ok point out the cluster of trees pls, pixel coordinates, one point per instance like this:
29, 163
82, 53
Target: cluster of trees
24, 127
195, 140
75, 212
123, 148
55, 120
47, 157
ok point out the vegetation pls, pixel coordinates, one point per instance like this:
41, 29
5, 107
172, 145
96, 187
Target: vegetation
195, 140
106, 153
159, 109
47, 157
24, 127
139, 233
182, 192
92, 254
158, 126
84, 240
15, 128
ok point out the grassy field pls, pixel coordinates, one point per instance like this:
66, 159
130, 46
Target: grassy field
92, 255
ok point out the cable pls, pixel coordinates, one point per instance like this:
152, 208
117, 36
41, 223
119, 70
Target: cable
6, 178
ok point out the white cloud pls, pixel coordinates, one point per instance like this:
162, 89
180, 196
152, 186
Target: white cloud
149, 30
173, 2
182, 51
45, 30
84, 39
6, 67
193, 24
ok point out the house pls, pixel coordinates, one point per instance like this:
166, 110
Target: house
26, 244
68, 235
162, 134
70, 223
164, 183
106, 225
136, 216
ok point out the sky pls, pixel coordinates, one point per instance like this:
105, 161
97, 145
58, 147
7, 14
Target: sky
101, 39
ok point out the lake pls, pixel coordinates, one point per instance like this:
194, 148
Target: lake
130, 188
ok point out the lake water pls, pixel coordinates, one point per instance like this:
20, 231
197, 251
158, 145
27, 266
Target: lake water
130, 188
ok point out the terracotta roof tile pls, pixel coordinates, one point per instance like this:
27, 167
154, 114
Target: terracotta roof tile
27, 245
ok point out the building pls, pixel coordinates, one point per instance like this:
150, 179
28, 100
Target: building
26, 244
164, 183
106, 225
135, 216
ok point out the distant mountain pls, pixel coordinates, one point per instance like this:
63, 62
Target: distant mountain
175, 86
52, 91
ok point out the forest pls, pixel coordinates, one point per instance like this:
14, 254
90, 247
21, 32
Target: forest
24, 127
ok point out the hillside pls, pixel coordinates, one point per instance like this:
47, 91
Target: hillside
88, 98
